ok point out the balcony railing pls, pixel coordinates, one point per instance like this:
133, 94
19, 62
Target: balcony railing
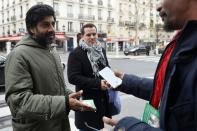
110, 20
90, 1
100, 2
109, 5
70, 30
70, 15
100, 18
13, 18
57, 13
158, 26
142, 26
88, 17
121, 23
81, 16
130, 24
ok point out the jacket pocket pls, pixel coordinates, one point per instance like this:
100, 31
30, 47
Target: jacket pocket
182, 116
20, 125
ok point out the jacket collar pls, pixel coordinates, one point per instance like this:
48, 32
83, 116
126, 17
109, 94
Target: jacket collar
29, 41
186, 45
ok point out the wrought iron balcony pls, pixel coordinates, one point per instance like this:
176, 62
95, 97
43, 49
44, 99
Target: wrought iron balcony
13, 18
130, 24
100, 2
70, 15
110, 20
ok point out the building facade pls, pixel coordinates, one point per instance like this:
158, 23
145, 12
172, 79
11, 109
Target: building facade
123, 22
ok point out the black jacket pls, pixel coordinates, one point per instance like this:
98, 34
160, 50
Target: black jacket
80, 73
178, 107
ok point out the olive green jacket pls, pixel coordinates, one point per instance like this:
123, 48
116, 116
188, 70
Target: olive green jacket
35, 88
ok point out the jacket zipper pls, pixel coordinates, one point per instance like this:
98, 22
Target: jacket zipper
57, 71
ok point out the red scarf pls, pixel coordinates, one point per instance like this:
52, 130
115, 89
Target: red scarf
160, 76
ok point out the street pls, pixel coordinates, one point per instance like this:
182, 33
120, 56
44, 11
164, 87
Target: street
131, 106
144, 66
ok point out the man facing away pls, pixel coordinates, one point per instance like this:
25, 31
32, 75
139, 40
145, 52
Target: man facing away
34, 81
173, 92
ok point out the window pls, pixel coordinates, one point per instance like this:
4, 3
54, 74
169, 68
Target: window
56, 6
100, 2
89, 11
120, 6
69, 11
81, 9
8, 15
57, 25
70, 28
39, 3
21, 10
89, 1
81, 25
14, 12
27, 7
109, 14
99, 14
99, 27
2, 17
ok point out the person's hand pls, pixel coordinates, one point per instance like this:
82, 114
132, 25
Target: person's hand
119, 74
105, 85
78, 105
109, 121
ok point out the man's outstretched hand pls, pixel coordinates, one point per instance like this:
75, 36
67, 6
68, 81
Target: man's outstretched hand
109, 121
78, 105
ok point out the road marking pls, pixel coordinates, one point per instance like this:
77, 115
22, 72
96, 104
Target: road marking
2, 97
4, 111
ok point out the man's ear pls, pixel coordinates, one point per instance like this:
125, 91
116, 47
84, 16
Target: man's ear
32, 30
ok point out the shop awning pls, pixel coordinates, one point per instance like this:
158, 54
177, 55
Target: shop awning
4, 38
60, 37
15, 38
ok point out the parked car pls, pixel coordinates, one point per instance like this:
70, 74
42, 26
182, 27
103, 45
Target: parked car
161, 50
136, 50
2, 76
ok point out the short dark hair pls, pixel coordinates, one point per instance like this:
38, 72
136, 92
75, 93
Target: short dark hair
36, 14
78, 37
89, 25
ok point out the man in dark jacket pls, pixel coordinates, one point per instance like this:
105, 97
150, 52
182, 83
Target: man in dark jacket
173, 92
34, 80
84, 64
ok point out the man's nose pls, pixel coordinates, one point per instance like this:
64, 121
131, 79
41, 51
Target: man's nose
51, 28
92, 36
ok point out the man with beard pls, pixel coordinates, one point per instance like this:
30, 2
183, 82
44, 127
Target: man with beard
34, 81
172, 95
84, 64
